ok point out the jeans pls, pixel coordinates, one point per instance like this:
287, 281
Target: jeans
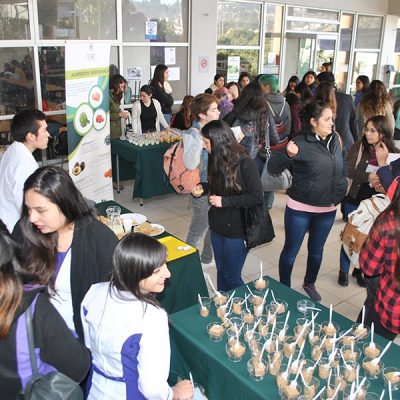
199, 227
230, 255
344, 260
297, 223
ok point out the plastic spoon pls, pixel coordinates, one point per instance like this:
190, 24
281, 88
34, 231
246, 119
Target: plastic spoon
296, 361
335, 392
294, 381
371, 343
330, 325
213, 288
347, 366
382, 395
328, 382
245, 299
359, 387
261, 272
282, 333
390, 390
285, 375
361, 324
376, 360
191, 380
200, 302
315, 365
319, 393
249, 290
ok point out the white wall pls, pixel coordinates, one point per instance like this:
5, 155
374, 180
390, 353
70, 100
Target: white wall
387, 51
204, 43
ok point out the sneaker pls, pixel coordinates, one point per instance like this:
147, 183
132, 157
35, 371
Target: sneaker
311, 291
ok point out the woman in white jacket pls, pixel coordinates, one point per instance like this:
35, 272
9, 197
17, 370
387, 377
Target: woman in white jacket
126, 329
146, 112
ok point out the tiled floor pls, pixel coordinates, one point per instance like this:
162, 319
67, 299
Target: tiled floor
173, 212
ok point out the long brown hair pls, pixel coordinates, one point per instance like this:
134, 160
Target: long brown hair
188, 117
376, 99
326, 93
10, 282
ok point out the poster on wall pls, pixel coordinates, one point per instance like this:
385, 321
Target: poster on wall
233, 68
88, 118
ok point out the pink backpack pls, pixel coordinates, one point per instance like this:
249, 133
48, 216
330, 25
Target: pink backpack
181, 179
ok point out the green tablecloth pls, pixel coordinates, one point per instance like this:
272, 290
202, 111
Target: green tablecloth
144, 164
186, 275
193, 351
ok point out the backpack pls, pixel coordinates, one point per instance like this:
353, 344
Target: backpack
52, 386
359, 223
280, 125
61, 145
180, 178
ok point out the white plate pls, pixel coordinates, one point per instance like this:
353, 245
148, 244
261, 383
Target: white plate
160, 227
138, 218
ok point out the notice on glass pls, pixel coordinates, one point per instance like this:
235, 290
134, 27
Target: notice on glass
233, 68
88, 118
170, 56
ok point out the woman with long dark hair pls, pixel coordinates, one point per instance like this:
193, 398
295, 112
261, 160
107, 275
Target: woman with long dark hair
319, 184
117, 88
376, 101
292, 83
63, 243
146, 112
364, 184
184, 118
163, 90
126, 329
325, 92
362, 85
234, 184
56, 348
310, 80
380, 258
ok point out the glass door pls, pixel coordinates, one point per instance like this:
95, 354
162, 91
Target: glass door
325, 50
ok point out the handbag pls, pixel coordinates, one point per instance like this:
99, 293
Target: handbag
271, 182
258, 226
52, 386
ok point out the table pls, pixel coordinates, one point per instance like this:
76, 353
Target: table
193, 351
187, 277
144, 164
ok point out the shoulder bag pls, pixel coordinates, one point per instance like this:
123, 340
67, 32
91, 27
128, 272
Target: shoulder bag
258, 226
271, 182
53, 386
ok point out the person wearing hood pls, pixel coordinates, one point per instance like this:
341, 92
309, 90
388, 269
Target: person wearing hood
277, 104
56, 348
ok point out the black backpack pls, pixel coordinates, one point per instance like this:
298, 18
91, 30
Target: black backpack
280, 125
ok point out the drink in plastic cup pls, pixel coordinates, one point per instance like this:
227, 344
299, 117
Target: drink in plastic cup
215, 331
257, 368
372, 371
235, 350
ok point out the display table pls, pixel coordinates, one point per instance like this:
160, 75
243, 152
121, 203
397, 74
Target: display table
144, 164
193, 351
186, 274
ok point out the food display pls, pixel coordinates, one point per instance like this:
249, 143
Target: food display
149, 139
149, 229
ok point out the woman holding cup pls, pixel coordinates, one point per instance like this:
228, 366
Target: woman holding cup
63, 243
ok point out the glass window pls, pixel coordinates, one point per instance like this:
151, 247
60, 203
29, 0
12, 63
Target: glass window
342, 63
238, 24
312, 13
16, 83
395, 92
144, 59
365, 64
169, 18
14, 20
301, 26
248, 60
368, 32
272, 46
77, 19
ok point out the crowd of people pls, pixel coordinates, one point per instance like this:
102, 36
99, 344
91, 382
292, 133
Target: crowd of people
95, 315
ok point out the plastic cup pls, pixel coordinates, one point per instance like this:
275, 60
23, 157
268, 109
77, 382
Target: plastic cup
263, 326
350, 374
254, 344
288, 346
275, 359
248, 331
363, 331
237, 305
372, 371
307, 373
281, 330
247, 317
296, 362
304, 305
372, 352
261, 284
280, 380
205, 308
127, 224
313, 338
235, 350
312, 389
257, 368
389, 374
329, 331
349, 354
220, 300
289, 393
281, 305
323, 368
363, 391
215, 331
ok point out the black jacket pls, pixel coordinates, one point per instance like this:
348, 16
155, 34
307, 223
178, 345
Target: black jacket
57, 347
166, 100
318, 170
345, 122
227, 220
92, 250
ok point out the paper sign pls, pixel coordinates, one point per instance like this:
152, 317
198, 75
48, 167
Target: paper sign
174, 74
133, 73
170, 56
233, 68
151, 30
203, 64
